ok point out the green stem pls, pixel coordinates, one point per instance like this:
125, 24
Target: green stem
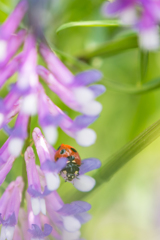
144, 57
24, 171
121, 157
110, 48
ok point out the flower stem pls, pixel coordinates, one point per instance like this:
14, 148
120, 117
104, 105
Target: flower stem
24, 171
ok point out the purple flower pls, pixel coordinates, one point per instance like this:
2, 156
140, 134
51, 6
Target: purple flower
30, 96
70, 92
9, 208
49, 167
34, 224
33, 97
67, 216
46, 213
34, 189
142, 15
37, 233
76, 128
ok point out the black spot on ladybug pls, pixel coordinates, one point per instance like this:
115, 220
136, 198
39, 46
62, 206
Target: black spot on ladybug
71, 158
62, 151
74, 150
58, 148
57, 158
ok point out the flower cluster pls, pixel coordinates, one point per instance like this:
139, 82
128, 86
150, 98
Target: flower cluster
143, 15
45, 213
27, 96
44, 205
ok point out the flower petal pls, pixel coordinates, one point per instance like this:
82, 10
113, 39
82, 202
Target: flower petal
37, 232
83, 217
84, 183
35, 203
15, 146
71, 224
52, 180
9, 232
74, 208
51, 134
6, 168
89, 164
47, 229
54, 166
87, 77
35, 193
92, 108
97, 89
70, 235
86, 137
10, 221
82, 121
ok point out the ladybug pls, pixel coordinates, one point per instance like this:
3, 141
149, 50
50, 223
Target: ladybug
71, 170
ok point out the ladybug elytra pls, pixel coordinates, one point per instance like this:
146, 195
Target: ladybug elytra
71, 170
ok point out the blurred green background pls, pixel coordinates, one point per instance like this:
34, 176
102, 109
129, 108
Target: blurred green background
128, 206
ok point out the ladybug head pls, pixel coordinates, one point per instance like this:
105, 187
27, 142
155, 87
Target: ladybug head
71, 170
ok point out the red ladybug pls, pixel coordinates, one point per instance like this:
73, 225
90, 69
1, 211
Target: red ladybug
71, 170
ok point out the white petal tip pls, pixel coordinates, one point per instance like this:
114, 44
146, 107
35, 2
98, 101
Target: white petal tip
51, 134
29, 104
71, 224
36, 208
43, 206
15, 146
52, 180
70, 235
83, 95
86, 137
149, 39
9, 232
128, 16
3, 50
84, 183
1, 118
92, 108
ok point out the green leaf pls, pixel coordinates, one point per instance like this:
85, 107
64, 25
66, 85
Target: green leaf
100, 23
149, 86
121, 157
111, 48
